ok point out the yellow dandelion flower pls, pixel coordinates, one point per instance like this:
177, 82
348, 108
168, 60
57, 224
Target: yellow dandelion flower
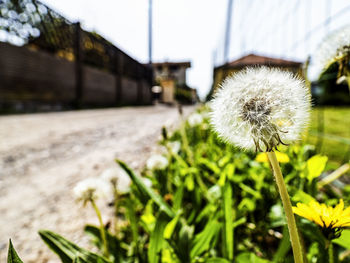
281, 157
331, 219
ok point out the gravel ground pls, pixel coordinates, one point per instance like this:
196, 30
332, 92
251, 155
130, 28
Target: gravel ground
42, 157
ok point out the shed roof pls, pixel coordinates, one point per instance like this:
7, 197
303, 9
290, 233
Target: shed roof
252, 59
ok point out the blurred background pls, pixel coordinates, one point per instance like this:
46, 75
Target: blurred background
58, 55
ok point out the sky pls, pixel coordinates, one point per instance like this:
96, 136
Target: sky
194, 30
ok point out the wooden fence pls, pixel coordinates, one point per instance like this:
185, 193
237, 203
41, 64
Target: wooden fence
38, 80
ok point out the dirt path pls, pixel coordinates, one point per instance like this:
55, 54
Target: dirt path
42, 157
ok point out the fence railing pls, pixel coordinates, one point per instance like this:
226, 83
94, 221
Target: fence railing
33, 25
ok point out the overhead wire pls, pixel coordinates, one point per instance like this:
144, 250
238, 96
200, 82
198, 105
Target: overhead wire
291, 16
275, 29
319, 27
259, 24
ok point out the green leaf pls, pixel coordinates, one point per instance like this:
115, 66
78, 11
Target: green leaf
230, 171
239, 222
157, 238
68, 251
344, 239
209, 165
203, 239
137, 180
113, 242
247, 203
301, 196
207, 211
182, 246
283, 247
131, 216
189, 182
250, 190
250, 257
12, 256
222, 179
315, 166
178, 196
169, 229
217, 260
229, 217
224, 160
78, 259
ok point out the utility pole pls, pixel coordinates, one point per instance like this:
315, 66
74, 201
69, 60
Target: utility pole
328, 16
308, 7
228, 29
150, 32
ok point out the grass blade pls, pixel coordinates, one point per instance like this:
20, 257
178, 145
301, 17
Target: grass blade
229, 217
68, 251
145, 189
12, 255
157, 238
203, 239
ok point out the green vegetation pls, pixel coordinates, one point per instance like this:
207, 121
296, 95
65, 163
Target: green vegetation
202, 200
330, 132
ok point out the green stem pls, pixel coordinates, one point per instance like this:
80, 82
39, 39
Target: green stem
185, 142
292, 227
115, 210
201, 183
102, 229
330, 252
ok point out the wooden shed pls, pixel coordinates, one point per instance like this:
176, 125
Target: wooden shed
221, 72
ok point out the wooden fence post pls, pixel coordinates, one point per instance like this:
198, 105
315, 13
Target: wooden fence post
139, 85
78, 52
118, 60
151, 80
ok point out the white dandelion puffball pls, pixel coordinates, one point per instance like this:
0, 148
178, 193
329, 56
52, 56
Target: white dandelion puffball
91, 189
174, 146
333, 47
147, 182
195, 119
260, 108
118, 178
206, 115
157, 162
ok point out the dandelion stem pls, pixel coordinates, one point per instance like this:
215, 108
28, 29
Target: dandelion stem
330, 252
115, 191
102, 229
293, 231
185, 142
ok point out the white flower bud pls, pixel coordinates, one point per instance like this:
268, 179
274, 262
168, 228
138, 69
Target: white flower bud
174, 146
195, 119
157, 162
147, 182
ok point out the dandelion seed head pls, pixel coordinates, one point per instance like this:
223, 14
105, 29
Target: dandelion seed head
147, 182
118, 178
334, 47
157, 162
259, 108
90, 189
195, 119
174, 147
